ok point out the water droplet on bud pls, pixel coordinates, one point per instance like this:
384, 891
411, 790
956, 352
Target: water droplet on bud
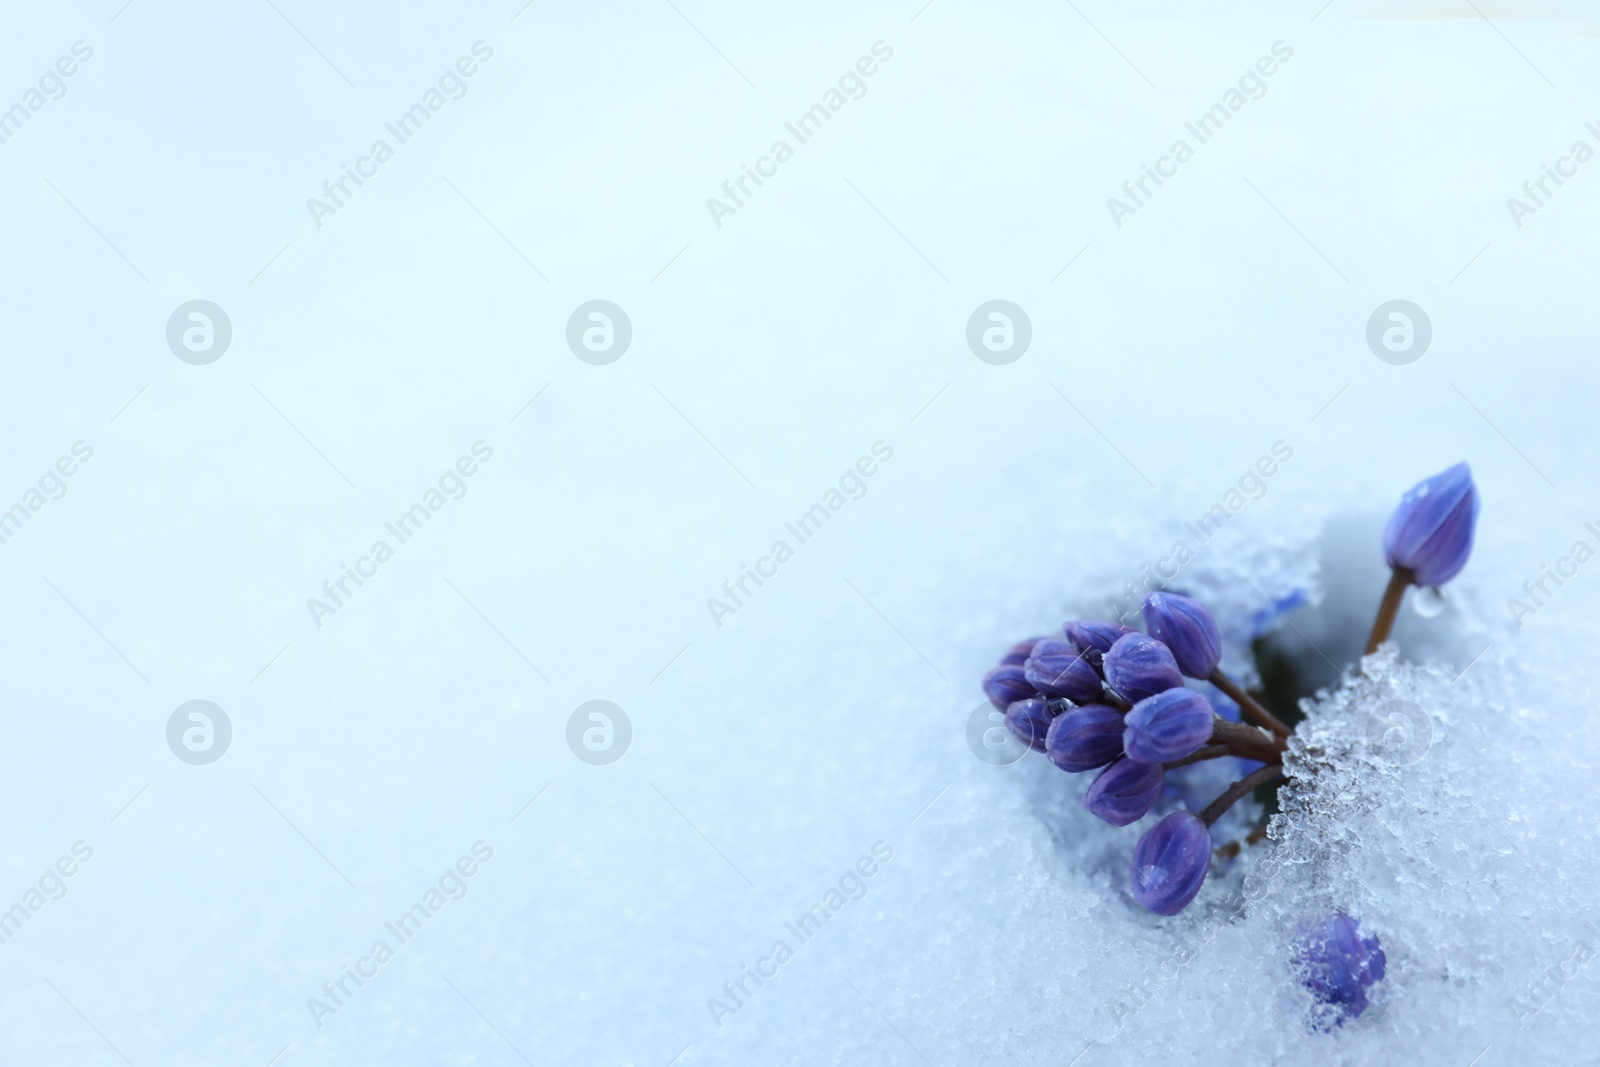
1427, 602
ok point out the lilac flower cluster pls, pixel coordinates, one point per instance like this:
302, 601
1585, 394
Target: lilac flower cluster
1112, 699
1108, 698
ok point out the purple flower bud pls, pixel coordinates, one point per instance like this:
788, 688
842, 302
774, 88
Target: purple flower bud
1005, 685
1186, 627
1085, 738
1338, 965
1094, 639
1138, 666
1167, 726
1170, 863
1029, 722
1430, 533
1124, 791
1020, 651
1060, 670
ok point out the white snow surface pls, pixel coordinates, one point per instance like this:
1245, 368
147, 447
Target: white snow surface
824, 723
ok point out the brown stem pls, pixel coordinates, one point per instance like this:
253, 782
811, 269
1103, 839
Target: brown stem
1241, 788
1116, 701
1247, 741
1247, 703
1200, 755
1399, 578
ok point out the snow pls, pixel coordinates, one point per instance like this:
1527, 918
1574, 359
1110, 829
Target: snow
824, 722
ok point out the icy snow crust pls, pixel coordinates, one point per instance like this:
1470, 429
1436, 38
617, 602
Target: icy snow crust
1416, 793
